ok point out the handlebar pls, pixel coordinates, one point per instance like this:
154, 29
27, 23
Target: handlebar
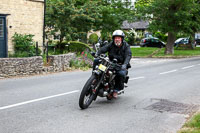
103, 57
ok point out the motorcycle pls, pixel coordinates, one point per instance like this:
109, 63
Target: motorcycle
101, 83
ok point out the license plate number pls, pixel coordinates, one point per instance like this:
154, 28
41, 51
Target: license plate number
102, 67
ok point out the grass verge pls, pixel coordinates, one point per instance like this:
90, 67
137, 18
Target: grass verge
157, 52
192, 125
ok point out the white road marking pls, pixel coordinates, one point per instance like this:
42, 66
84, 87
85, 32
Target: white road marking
187, 67
136, 78
36, 100
168, 72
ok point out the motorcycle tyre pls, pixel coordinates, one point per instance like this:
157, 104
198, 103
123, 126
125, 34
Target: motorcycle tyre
87, 89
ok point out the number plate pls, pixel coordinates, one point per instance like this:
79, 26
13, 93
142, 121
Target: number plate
102, 67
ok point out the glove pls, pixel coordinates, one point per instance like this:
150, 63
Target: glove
124, 66
96, 55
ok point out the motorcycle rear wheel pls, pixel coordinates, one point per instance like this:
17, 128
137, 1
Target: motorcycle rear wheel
87, 95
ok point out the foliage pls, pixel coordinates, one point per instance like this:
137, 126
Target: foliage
86, 55
74, 46
142, 3
59, 17
88, 14
113, 13
93, 38
76, 64
71, 46
141, 6
24, 45
161, 36
130, 37
71, 19
56, 51
172, 17
83, 62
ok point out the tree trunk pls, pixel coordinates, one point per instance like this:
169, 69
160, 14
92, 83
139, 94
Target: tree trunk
193, 41
169, 50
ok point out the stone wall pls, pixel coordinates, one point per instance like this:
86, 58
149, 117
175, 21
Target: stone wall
10, 67
59, 63
20, 66
24, 17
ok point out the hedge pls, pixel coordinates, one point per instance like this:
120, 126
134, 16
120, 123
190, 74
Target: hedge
75, 46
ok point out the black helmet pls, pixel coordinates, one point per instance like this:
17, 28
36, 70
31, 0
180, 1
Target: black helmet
118, 33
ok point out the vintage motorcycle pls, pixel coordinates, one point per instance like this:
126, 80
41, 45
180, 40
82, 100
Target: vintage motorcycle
101, 83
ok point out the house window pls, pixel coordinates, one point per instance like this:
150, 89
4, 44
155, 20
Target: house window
1, 28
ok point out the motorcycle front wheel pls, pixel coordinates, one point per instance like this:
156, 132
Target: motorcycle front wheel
87, 95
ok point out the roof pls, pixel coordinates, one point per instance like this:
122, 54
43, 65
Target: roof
135, 25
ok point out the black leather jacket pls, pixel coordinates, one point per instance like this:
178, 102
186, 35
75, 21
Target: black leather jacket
122, 54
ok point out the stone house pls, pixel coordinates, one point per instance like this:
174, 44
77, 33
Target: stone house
23, 17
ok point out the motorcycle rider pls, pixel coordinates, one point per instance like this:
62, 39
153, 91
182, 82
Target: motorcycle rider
118, 49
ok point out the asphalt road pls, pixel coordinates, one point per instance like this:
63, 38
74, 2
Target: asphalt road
160, 96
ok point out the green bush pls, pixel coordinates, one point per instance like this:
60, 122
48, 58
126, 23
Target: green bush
161, 36
130, 38
182, 35
57, 48
24, 45
78, 47
85, 54
93, 38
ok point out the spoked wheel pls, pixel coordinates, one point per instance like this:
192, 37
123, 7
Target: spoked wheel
87, 94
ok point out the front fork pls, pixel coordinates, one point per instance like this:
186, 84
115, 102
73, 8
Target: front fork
95, 90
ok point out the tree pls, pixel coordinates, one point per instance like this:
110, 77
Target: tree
194, 23
113, 13
87, 15
140, 6
172, 17
70, 19
59, 18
